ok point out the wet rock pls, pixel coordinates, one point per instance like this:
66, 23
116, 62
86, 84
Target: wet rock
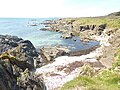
47, 28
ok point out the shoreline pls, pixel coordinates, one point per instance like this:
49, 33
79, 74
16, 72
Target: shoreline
23, 65
54, 78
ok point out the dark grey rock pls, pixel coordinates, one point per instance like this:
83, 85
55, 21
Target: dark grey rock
23, 50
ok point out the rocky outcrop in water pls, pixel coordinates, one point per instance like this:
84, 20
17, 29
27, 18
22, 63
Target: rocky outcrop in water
70, 29
48, 22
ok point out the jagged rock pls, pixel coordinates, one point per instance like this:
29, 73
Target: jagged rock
7, 79
14, 77
67, 35
29, 81
92, 27
47, 28
50, 53
23, 50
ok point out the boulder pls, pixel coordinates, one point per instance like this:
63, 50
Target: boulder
102, 26
67, 35
50, 53
13, 77
29, 81
23, 50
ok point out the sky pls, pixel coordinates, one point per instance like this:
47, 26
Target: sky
57, 8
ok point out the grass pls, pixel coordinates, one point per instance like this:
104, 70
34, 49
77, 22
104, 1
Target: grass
117, 59
105, 80
111, 21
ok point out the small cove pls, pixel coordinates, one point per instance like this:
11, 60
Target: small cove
22, 28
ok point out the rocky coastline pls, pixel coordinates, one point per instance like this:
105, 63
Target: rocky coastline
66, 68
69, 28
63, 71
19, 60
23, 68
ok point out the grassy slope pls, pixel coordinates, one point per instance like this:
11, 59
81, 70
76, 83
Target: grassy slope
111, 21
105, 80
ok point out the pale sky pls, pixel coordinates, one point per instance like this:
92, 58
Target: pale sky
57, 8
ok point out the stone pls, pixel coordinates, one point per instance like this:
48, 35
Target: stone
67, 35
50, 53
22, 50
14, 77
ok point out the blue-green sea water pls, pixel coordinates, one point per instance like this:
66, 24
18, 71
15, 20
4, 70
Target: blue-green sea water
21, 27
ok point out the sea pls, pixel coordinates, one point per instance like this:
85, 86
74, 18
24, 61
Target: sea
29, 29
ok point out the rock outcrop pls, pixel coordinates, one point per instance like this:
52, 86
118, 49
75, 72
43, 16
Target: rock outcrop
70, 29
67, 35
16, 62
48, 22
23, 50
92, 27
50, 53
14, 77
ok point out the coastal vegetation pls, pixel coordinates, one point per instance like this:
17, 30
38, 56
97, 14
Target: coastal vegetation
104, 80
98, 70
112, 21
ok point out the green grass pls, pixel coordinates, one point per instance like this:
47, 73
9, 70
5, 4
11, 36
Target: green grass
117, 59
105, 80
112, 22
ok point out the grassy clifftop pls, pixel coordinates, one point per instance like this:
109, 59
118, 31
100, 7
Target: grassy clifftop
112, 20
